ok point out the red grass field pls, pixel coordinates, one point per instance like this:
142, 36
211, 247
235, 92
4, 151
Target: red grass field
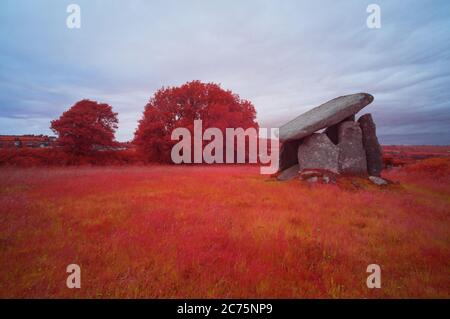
226, 231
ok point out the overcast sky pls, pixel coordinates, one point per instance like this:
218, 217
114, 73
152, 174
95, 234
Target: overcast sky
284, 56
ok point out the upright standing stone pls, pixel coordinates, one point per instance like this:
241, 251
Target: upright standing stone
332, 131
352, 156
318, 152
374, 153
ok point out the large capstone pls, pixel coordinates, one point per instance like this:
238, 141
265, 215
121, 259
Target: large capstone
288, 173
352, 156
374, 153
318, 152
325, 115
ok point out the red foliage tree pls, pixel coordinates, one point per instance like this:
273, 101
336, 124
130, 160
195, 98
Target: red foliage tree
174, 107
85, 127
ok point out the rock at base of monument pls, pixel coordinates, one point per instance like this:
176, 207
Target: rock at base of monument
378, 180
313, 179
374, 153
332, 131
318, 175
318, 152
289, 173
288, 154
352, 156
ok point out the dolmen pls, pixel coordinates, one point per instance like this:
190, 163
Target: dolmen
327, 141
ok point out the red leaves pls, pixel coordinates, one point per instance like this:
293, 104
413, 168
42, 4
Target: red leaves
174, 107
85, 127
88, 126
